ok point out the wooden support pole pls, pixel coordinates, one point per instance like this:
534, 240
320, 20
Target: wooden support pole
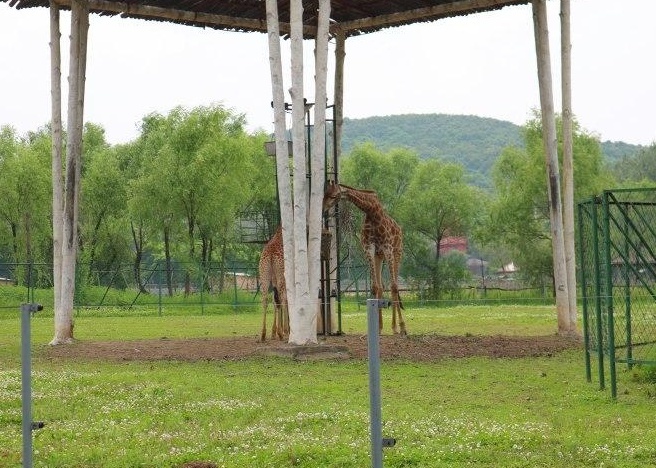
549, 137
282, 151
72, 182
340, 55
568, 158
56, 133
318, 157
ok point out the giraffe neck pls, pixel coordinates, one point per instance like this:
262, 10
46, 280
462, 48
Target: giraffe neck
365, 200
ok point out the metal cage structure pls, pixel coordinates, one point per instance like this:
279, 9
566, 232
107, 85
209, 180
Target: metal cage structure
617, 264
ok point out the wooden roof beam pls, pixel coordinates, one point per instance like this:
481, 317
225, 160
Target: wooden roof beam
197, 18
445, 9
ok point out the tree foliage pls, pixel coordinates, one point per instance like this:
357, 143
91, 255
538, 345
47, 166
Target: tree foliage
175, 193
438, 203
519, 214
25, 194
475, 142
193, 179
429, 198
639, 167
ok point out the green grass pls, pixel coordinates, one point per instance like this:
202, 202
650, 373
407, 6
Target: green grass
274, 412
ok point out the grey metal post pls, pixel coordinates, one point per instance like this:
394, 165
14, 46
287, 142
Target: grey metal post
373, 346
26, 384
374, 384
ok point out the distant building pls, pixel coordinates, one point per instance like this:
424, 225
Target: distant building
450, 243
508, 268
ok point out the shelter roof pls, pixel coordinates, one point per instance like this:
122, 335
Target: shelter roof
352, 17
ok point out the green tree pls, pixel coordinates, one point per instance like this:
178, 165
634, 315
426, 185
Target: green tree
152, 203
25, 192
519, 214
196, 173
387, 173
9, 147
105, 242
638, 167
438, 202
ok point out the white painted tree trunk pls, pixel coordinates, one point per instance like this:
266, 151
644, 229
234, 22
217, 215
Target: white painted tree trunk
304, 312
302, 223
76, 78
56, 132
282, 152
549, 137
568, 160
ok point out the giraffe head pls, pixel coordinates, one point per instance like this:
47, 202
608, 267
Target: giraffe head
331, 195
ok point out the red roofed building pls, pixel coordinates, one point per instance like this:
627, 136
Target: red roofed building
449, 243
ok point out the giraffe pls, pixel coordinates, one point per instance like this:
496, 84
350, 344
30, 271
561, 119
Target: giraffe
382, 241
272, 273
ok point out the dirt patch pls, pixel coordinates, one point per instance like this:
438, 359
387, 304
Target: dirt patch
392, 347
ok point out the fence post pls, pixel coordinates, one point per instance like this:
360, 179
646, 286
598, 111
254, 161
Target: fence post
159, 289
373, 349
584, 289
234, 287
609, 294
26, 381
202, 287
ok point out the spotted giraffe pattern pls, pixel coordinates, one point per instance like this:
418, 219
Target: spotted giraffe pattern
382, 241
272, 274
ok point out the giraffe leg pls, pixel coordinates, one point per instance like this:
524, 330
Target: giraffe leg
397, 306
395, 329
265, 300
396, 297
283, 323
378, 280
285, 312
278, 327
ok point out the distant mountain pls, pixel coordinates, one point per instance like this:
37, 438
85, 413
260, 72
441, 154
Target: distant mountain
616, 150
475, 142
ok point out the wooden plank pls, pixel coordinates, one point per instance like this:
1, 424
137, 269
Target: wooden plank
437, 11
201, 19
126, 9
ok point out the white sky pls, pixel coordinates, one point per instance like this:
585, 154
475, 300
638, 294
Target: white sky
482, 64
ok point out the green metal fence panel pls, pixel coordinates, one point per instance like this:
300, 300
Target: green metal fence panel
617, 264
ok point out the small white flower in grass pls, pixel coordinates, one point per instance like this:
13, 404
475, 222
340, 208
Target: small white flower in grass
175, 451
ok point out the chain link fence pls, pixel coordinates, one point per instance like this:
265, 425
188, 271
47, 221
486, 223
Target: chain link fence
209, 288
617, 259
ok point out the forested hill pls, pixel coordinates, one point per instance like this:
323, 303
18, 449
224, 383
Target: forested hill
473, 141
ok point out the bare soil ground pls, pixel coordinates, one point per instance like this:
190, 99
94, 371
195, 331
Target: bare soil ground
392, 347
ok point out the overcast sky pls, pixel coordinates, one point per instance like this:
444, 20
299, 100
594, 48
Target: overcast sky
482, 64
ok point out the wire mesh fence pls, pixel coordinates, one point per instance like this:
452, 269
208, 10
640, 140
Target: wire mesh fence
617, 258
164, 287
